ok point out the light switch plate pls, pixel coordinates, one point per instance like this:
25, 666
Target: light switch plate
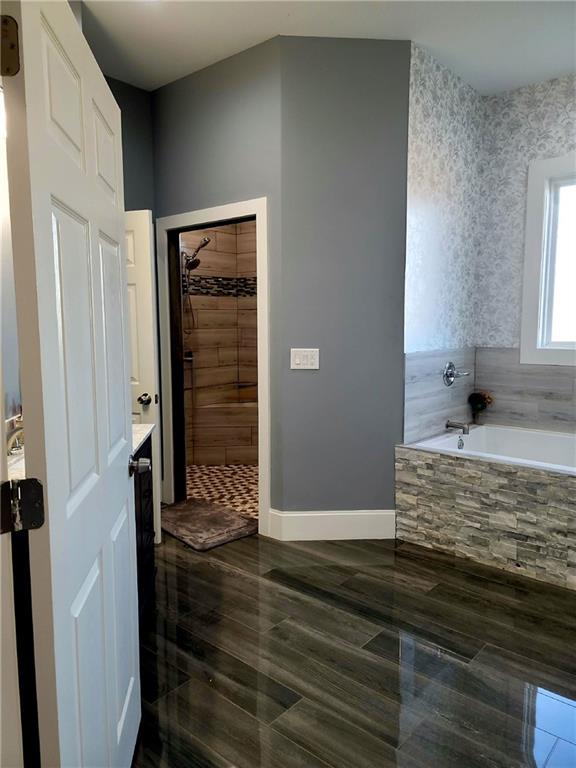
304, 359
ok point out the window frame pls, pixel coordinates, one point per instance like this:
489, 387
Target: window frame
545, 177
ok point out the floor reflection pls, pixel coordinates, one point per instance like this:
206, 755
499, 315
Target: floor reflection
353, 655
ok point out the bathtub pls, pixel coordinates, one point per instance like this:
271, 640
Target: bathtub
506, 498
553, 451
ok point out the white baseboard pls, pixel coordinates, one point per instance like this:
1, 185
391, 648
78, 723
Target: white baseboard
332, 526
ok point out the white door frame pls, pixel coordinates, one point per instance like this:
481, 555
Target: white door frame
211, 216
10, 726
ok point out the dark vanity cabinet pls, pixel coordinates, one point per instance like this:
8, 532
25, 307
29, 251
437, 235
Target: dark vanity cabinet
144, 510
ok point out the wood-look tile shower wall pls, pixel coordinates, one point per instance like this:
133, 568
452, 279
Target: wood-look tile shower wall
221, 383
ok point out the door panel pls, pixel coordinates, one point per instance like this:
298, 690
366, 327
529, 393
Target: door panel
105, 154
76, 329
68, 235
88, 622
113, 291
135, 373
142, 314
122, 567
63, 98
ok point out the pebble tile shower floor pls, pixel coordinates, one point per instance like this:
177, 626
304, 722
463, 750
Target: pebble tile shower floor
353, 654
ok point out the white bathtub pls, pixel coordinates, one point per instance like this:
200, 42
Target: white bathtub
553, 451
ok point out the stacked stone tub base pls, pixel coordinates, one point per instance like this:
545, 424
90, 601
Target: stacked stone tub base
513, 516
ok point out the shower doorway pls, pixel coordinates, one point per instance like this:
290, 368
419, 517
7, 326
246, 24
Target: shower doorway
213, 284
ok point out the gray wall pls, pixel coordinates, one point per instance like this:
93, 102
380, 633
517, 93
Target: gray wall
137, 144
217, 133
319, 126
344, 144
217, 140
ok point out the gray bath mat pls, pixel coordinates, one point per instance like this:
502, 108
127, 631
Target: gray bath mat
203, 525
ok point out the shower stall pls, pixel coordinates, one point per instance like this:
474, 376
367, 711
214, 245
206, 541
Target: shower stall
219, 354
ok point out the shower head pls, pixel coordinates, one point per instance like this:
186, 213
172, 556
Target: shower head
191, 261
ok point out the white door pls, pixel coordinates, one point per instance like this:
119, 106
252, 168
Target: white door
67, 214
144, 379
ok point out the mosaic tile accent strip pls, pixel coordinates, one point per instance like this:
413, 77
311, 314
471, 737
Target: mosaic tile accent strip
234, 486
246, 286
512, 517
219, 286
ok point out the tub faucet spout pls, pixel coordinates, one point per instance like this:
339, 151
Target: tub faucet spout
458, 425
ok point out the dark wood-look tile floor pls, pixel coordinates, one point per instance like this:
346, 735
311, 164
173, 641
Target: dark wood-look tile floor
353, 655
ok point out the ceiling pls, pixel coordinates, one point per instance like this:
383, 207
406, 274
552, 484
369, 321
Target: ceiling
494, 46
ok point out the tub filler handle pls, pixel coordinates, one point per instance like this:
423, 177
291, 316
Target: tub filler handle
450, 373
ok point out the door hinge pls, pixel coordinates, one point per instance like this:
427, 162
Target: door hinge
21, 505
9, 47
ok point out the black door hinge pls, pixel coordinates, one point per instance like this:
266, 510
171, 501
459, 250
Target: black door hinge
10, 49
21, 505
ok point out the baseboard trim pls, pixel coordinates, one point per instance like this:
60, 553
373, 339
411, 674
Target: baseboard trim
332, 526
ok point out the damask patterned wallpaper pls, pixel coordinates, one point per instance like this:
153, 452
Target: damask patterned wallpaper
445, 134
521, 126
468, 160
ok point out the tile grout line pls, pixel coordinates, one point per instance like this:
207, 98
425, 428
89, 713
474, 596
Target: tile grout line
234, 656
431, 680
288, 591
334, 714
259, 723
484, 645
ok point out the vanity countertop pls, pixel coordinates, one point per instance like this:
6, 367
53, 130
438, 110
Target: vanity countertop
140, 433
16, 466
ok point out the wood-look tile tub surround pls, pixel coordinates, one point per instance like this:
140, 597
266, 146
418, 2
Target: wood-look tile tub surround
221, 385
428, 403
539, 396
531, 396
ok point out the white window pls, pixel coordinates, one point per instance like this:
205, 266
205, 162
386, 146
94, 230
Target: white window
549, 301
